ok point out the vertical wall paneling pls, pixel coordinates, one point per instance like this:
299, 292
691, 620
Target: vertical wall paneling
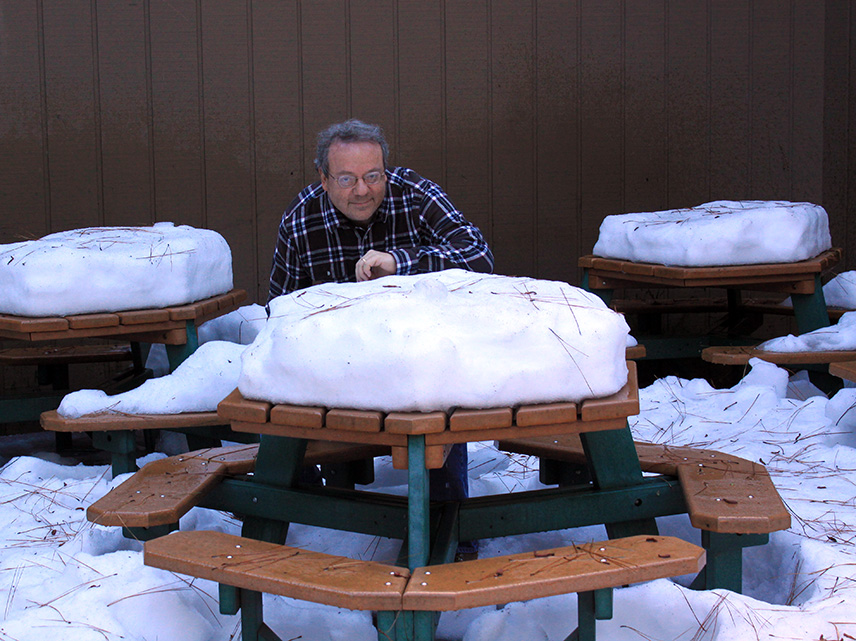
22, 153
468, 107
848, 167
645, 131
373, 55
688, 103
421, 60
557, 139
772, 93
74, 161
601, 115
280, 153
512, 137
228, 122
178, 140
807, 102
730, 99
326, 59
124, 113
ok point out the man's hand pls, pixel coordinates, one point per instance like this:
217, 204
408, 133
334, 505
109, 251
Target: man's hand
375, 264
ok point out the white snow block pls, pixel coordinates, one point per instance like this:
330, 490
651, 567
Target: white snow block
434, 342
111, 269
722, 232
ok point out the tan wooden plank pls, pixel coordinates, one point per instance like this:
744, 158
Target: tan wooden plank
143, 316
158, 494
545, 414
64, 354
183, 313
740, 355
653, 457
125, 331
85, 321
354, 420
415, 422
236, 408
318, 452
635, 352
844, 369
325, 434
26, 324
435, 457
280, 569
732, 501
117, 421
299, 415
171, 336
464, 420
533, 575
623, 403
515, 431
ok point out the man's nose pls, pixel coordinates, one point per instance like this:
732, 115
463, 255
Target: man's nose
361, 187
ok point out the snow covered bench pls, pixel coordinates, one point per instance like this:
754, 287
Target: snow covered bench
741, 354
246, 568
731, 500
153, 500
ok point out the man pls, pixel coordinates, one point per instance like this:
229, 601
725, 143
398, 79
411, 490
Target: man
364, 220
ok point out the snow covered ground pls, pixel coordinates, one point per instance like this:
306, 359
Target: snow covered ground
65, 578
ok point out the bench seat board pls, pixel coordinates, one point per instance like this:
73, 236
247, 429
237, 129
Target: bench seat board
158, 494
844, 369
532, 575
740, 355
53, 422
65, 354
280, 569
723, 493
165, 490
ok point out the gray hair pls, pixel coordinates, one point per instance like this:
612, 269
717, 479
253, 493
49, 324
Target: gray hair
352, 130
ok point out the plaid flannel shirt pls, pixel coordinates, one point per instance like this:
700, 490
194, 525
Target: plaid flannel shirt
416, 223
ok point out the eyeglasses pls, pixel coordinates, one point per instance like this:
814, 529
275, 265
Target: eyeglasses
349, 182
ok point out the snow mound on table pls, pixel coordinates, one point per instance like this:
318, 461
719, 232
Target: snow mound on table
436, 341
723, 232
197, 385
111, 269
838, 337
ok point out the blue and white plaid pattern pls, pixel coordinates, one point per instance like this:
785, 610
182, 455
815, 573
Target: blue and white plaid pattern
416, 223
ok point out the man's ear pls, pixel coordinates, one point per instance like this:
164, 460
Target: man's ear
323, 179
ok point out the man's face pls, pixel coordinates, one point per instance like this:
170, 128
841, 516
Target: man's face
356, 159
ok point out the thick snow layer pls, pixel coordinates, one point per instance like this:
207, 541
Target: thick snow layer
722, 232
841, 291
838, 337
436, 341
197, 385
111, 269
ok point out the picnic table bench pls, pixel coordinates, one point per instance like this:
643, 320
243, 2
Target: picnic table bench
801, 280
731, 500
617, 495
245, 569
175, 326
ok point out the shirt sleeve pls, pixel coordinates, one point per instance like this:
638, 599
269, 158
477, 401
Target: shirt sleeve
286, 274
448, 240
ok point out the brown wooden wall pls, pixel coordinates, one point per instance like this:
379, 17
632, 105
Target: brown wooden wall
538, 117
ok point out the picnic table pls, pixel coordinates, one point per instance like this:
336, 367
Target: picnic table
175, 327
801, 280
424, 579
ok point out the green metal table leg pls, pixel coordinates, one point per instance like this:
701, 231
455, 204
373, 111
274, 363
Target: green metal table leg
176, 354
724, 567
810, 309
122, 445
418, 517
613, 463
604, 294
279, 462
